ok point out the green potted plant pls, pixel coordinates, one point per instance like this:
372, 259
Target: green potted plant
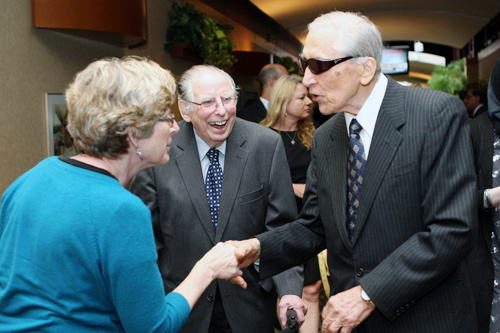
450, 79
192, 29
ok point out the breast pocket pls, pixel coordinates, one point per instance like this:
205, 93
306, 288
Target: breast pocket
401, 170
251, 196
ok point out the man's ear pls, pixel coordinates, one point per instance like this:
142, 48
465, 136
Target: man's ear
369, 67
183, 111
272, 81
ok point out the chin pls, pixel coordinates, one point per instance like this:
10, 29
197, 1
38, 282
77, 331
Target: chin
164, 160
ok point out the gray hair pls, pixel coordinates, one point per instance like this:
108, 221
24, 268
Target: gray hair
267, 74
185, 82
355, 35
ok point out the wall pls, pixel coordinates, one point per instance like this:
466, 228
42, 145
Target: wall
487, 62
38, 61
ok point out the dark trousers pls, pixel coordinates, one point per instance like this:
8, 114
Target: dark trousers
219, 323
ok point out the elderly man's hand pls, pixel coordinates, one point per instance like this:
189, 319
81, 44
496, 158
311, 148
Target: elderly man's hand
292, 302
345, 311
247, 251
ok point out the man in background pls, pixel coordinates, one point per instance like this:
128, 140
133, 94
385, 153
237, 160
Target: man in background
475, 101
256, 110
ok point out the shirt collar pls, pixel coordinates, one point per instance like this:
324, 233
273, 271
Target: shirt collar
367, 115
265, 102
203, 148
476, 109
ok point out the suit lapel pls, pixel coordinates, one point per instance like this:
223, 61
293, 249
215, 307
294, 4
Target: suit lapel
188, 162
336, 161
235, 160
385, 143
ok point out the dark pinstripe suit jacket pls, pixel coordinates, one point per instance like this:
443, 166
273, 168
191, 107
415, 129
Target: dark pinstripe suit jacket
416, 220
479, 261
257, 195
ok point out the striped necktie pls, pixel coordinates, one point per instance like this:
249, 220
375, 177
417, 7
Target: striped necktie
355, 169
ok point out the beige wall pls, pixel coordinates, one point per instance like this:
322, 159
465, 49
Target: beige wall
486, 65
38, 61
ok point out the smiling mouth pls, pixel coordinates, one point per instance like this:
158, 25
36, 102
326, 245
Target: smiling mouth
218, 124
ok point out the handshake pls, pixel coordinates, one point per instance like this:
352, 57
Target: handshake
224, 260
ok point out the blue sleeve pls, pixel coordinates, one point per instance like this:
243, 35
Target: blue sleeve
177, 310
131, 275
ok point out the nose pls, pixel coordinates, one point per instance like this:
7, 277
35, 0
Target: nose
308, 101
220, 109
175, 128
309, 78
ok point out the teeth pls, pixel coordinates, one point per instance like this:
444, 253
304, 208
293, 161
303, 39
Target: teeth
218, 123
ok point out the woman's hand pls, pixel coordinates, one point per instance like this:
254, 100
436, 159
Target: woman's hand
222, 262
218, 263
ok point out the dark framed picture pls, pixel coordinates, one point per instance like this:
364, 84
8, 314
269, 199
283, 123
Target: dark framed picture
59, 141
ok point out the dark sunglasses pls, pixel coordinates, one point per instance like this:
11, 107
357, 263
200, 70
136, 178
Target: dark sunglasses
317, 66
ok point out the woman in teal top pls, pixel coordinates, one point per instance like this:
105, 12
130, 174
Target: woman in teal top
77, 251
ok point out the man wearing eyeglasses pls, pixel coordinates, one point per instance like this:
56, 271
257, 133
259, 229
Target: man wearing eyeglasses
390, 192
200, 199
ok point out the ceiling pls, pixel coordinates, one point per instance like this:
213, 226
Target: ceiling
448, 22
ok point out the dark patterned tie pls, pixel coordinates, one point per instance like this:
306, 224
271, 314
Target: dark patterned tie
213, 184
355, 169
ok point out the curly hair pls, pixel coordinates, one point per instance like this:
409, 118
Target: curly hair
112, 97
281, 94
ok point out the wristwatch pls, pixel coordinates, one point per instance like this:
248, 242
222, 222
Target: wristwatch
366, 298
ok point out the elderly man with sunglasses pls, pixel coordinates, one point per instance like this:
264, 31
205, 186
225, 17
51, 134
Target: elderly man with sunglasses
390, 192
198, 200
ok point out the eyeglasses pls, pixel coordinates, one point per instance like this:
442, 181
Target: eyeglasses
318, 66
211, 104
169, 119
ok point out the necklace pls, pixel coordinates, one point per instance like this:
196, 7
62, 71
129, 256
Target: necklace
292, 140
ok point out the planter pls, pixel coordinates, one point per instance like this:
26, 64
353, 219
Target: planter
181, 50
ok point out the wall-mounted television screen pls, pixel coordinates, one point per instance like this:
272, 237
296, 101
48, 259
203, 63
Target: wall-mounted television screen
395, 60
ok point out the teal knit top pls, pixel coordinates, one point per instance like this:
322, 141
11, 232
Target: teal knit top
77, 254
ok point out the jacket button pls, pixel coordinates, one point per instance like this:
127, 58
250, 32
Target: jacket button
360, 272
210, 298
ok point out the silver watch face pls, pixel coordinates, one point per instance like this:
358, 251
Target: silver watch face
364, 295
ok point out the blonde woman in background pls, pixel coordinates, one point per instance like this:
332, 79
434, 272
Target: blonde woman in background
289, 114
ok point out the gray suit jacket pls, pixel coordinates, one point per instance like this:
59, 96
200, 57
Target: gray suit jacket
416, 220
257, 195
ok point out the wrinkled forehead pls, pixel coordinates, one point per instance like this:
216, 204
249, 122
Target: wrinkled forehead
210, 85
320, 44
